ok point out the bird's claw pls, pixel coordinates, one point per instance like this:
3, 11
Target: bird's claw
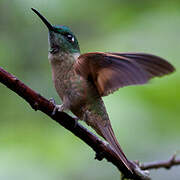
59, 108
52, 101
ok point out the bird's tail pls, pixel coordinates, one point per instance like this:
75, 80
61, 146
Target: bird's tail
108, 134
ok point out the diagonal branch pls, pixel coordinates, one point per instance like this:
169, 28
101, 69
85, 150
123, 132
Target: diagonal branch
102, 149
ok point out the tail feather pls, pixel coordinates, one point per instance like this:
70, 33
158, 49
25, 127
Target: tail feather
108, 134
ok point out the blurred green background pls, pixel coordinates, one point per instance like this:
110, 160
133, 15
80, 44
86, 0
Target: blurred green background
146, 119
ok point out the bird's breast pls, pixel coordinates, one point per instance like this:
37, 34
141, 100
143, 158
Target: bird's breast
81, 94
68, 84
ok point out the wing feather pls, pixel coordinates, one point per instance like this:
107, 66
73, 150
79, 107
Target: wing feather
110, 71
153, 65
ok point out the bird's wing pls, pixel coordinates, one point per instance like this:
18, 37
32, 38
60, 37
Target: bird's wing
110, 71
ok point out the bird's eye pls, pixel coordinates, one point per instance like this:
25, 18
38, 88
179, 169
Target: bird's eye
69, 37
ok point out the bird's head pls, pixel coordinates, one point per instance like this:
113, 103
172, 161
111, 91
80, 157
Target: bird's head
61, 38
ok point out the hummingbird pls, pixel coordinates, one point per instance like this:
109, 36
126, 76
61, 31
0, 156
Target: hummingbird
81, 80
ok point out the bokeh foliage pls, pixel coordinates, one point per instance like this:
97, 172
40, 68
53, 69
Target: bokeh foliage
146, 118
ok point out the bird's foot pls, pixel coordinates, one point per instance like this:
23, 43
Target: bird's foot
52, 101
59, 108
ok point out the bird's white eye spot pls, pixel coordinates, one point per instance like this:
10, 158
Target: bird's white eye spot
70, 38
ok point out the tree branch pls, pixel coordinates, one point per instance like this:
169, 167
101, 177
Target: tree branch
161, 164
102, 149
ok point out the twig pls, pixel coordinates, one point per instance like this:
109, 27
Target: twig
161, 164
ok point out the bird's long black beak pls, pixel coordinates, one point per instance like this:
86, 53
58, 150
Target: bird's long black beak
49, 26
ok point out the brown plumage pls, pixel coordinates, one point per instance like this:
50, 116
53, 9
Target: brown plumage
111, 71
